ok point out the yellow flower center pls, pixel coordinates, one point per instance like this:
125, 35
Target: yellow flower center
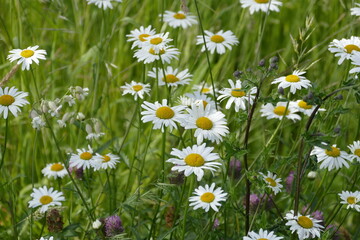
262, 1
27, 53
205, 90
205, 103
152, 51
304, 105
179, 16
164, 112
236, 92
6, 100
207, 197
56, 167
292, 78
143, 36
357, 152
45, 199
170, 78
137, 87
305, 222
86, 156
271, 182
194, 160
106, 158
217, 39
156, 40
204, 123
351, 200
280, 110
334, 152
351, 47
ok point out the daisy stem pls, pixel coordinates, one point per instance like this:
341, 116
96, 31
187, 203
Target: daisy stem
5, 143
164, 79
207, 54
35, 84
43, 226
333, 215
191, 185
109, 186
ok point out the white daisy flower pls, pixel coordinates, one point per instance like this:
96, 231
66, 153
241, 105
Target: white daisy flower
173, 77
331, 159
355, 60
304, 107
194, 160
200, 98
352, 199
355, 151
27, 56
105, 161
261, 5
11, 100
45, 198
83, 159
148, 55
137, 89
103, 3
305, 226
273, 182
179, 19
218, 41
356, 10
262, 235
161, 115
209, 123
50, 238
185, 101
206, 197
157, 42
237, 95
269, 111
295, 81
344, 48
56, 170
138, 36
205, 89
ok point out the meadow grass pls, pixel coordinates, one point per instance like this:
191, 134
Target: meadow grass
87, 47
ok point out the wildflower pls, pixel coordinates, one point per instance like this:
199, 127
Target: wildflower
103, 3
176, 177
262, 235
344, 48
148, 55
218, 41
318, 215
11, 100
295, 81
137, 89
170, 216
234, 168
305, 108
45, 198
331, 159
54, 221
83, 159
94, 134
79, 93
138, 36
198, 98
261, 5
356, 10
27, 56
50, 238
161, 114
204, 89
113, 226
312, 175
237, 95
272, 182
206, 197
279, 111
56, 170
209, 123
355, 151
69, 99
173, 77
54, 108
38, 123
66, 117
96, 224
157, 42
352, 199
79, 172
105, 161
289, 181
305, 226
80, 116
194, 160
179, 19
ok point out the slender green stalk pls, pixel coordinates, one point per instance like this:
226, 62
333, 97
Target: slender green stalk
191, 186
5, 143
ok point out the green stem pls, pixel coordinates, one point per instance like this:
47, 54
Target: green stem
5, 143
187, 205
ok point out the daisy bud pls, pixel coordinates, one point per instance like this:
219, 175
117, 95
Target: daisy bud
312, 175
54, 221
80, 116
262, 63
113, 226
96, 224
237, 74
